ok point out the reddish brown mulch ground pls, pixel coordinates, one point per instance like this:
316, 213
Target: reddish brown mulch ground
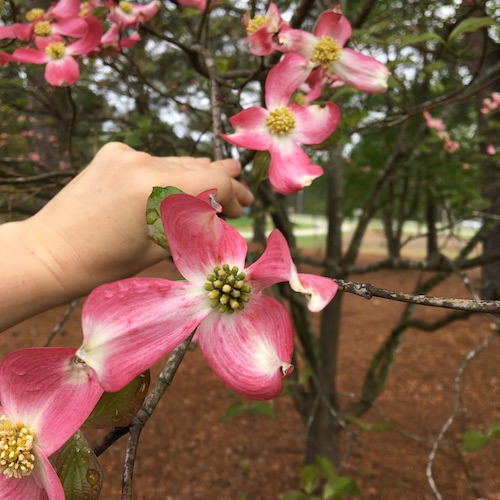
187, 450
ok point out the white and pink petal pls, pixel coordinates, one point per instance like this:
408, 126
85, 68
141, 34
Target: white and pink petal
250, 350
291, 168
43, 388
298, 41
315, 123
129, 325
250, 130
285, 78
334, 25
361, 72
273, 266
62, 72
200, 240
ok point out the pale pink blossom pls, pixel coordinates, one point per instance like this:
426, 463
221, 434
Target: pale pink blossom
45, 396
325, 50
491, 149
490, 103
435, 123
262, 31
61, 67
130, 14
114, 38
197, 4
245, 335
451, 146
282, 126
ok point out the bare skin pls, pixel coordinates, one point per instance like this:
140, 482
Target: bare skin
94, 230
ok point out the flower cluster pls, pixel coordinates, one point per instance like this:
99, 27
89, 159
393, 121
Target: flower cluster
69, 28
437, 124
312, 62
490, 103
246, 337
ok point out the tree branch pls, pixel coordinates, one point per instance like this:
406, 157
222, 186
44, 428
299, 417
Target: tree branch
367, 291
150, 403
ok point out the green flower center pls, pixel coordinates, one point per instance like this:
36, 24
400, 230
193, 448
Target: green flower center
326, 51
16, 443
281, 121
34, 14
256, 23
227, 289
55, 50
125, 7
42, 28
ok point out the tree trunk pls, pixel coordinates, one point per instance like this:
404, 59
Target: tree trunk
323, 429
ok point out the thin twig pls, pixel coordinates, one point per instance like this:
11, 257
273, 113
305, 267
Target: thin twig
367, 291
61, 323
456, 405
150, 403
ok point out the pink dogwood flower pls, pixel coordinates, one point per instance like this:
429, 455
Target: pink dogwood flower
45, 396
130, 14
262, 31
283, 126
61, 67
245, 336
435, 123
197, 4
325, 49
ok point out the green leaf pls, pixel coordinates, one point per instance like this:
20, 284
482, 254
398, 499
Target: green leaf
261, 162
133, 138
494, 429
470, 25
155, 226
327, 468
310, 476
117, 409
378, 426
474, 439
263, 408
415, 39
234, 410
355, 117
294, 495
305, 374
341, 487
78, 469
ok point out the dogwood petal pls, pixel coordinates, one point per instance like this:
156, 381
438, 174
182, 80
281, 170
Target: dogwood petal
297, 41
30, 56
26, 487
315, 123
291, 169
335, 25
285, 78
361, 72
62, 72
273, 266
46, 477
276, 265
250, 350
200, 240
318, 290
130, 324
43, 388
90, 41
66, 8
250, 129
260, 42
